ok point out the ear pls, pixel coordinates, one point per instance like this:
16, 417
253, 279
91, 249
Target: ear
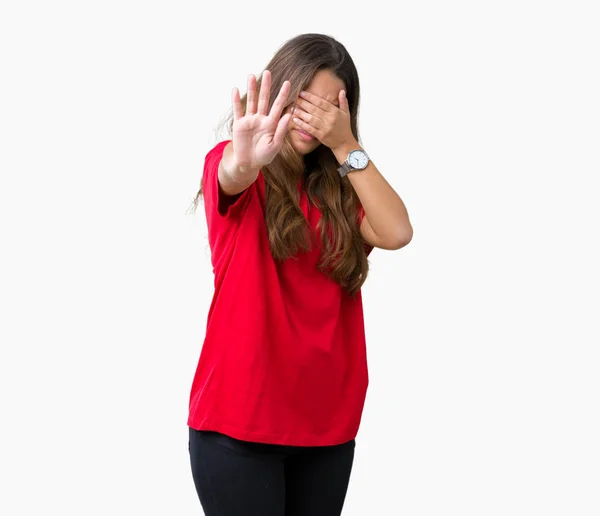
343, 101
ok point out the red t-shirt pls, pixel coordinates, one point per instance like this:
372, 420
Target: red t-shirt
284, 358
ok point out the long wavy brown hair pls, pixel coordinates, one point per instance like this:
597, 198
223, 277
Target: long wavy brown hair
344, 257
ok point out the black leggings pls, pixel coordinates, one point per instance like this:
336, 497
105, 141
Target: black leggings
240, 478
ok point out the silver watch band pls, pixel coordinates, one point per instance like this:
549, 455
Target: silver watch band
345, 168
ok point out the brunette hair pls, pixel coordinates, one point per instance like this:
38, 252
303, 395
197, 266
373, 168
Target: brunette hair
344, 257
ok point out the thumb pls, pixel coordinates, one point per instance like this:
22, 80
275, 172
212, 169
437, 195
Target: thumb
281, 129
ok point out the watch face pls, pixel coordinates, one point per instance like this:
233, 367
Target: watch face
358, 159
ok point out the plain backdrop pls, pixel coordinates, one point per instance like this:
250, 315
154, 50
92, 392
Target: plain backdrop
483, 338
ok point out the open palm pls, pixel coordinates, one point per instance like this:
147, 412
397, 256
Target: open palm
258, 136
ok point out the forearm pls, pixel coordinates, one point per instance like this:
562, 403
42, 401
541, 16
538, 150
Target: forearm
383, 207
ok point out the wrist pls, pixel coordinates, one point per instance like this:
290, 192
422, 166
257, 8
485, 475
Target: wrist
342, 150
235, 170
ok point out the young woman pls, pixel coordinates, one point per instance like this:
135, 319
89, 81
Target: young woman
294, 205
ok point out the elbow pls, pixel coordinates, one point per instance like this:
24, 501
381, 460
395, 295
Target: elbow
403, 238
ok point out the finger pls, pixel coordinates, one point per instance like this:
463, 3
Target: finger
313, 120
305, 127
344, 105
282, 127
316, 100
310, 108
265, 90
251, 98
280, 101
237, 105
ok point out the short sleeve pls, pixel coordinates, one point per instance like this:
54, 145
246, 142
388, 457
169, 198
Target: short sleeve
221, 209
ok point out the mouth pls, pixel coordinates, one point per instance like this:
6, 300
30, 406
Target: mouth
305, 136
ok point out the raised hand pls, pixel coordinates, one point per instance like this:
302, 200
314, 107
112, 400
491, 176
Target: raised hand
258, 136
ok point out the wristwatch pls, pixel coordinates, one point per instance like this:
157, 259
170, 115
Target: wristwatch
356, 160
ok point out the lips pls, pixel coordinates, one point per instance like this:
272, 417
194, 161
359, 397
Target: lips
305, 136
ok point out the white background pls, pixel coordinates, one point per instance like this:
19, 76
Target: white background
482, 334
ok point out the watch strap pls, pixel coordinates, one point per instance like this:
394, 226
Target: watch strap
345, 168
